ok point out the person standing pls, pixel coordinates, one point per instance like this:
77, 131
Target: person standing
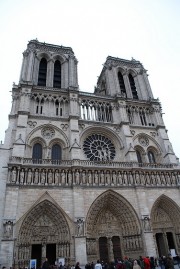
98, 265
46, 264
77, 266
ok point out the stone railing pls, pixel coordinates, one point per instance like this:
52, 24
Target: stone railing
70, 173
87, 163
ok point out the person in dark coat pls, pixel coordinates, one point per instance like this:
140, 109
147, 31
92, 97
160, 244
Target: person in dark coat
46, 264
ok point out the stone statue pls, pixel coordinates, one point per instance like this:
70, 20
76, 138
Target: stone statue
146, 223
13, 175
83, 177
102, 178
77, 178
69, 178
8, 229
63, 177
80, 227
36, 177
119, 179
43, 177
96, 178
137, 178
21, 180
125, 179
108, 178
89, 176
29, 177
50, 177
114, 177
56, 177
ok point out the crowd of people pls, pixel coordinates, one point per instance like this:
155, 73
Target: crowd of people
164, 262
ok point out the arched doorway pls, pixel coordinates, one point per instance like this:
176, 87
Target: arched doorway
165, 216
43, 233
113, 229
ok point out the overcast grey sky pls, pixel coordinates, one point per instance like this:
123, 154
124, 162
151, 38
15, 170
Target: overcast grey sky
147, 30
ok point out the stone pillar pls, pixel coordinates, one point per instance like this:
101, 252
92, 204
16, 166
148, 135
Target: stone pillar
149, 240
166, 246
80, 250
110, 249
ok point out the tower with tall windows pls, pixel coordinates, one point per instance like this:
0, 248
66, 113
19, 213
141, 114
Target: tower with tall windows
85, 176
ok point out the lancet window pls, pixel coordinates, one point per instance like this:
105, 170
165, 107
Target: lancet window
96, 111
37, 152
121, 84
151, 156
139, 158
39, 106
133, 87
42, 72
142, 117
56, 152
57, 75
61, 107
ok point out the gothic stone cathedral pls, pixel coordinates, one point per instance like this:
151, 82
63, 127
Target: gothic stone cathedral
85, 175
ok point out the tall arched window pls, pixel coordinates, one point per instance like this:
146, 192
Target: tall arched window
151, 157
42, 72
37, 153
133, 87
56, 153
138, 156
121, 84
57, 74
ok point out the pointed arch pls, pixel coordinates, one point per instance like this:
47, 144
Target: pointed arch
165, 213
42, 72
133, 86
117, 206
57, 74
44, 220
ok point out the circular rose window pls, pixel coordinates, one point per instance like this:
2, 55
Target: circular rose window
97, 147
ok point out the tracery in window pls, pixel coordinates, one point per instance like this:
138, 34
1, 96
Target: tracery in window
37, 153
57, 74
39, 106
133, 87
151, 156
121, 84
142, 117
61, 107
96, 111
56, 152
42, 72
97, 147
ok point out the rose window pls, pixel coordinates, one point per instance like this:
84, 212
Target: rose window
99, 148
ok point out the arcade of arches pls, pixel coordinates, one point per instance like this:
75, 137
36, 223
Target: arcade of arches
112, 229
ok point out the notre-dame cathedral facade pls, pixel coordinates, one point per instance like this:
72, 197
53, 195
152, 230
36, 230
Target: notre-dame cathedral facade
85, 175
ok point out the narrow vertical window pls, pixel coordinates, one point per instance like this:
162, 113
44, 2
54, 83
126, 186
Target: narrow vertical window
121, 84
151, 157
138, 156
42, 72
37, 153
57, 75
133, 87
56, 153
